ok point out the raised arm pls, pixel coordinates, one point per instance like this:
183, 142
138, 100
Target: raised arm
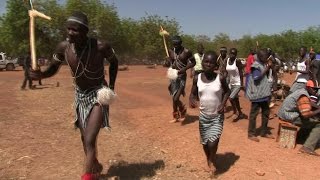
54, 66
111, 57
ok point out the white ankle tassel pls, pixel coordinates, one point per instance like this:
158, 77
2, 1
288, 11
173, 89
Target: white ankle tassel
105, 96
172, 74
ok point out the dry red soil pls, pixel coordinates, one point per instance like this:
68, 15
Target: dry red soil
38, 141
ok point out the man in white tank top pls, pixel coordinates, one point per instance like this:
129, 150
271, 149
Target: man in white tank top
303, 67
213, 92
235, 75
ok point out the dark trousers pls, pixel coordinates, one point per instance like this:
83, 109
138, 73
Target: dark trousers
26, 79
265, 111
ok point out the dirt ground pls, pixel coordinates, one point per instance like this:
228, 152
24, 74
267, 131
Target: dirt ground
38, 141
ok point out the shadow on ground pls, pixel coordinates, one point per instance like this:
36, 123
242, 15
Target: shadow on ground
189, 119
125, 170
225, 161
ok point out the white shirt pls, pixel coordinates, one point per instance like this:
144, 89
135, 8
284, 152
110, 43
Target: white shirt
210, 96
233, 73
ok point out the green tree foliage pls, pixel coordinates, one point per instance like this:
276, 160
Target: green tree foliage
14, 31
132, 39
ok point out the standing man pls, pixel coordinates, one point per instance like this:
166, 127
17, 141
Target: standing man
213, 92
222, 58
302, 71
235, 76
259, 92
85, 56
314, 67
180, 59
198, 58
27, 67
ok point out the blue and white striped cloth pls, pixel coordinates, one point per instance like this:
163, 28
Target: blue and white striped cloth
210, 127
84, 102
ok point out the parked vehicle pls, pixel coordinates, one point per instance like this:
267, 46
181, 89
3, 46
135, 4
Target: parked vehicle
7, 63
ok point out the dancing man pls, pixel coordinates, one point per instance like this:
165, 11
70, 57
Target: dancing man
213, 93
235, 75
85, 56
180, 59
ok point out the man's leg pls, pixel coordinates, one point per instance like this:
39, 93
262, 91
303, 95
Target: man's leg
313, 138
30, 83
234, 109
213, 147
207, 153
177, 104
255, 106
24, 83
265, 111
237, 103
97, 166
90, 136
181, 107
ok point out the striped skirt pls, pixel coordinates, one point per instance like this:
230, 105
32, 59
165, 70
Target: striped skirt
235, 89
175, 85
84, 102
210, 128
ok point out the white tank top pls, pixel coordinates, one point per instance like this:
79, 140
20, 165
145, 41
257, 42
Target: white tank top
198, 59
233, 73
210, 95
301, 66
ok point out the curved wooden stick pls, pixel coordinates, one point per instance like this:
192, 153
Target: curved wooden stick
164, 41
33, 14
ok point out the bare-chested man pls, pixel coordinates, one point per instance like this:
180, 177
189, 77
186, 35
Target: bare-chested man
85, 56
181, 59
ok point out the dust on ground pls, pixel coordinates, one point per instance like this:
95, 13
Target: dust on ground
38, 140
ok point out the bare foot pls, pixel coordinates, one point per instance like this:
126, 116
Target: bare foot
174, 121
253, 138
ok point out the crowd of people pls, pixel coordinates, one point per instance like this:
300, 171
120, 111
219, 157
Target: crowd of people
216, 79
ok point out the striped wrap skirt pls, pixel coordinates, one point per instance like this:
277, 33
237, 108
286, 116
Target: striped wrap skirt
176, 84
210, 127
235, 89
84, 102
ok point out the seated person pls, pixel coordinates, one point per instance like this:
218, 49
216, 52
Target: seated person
298, 109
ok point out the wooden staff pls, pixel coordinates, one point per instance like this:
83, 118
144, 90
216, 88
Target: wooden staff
163, 33
33, 14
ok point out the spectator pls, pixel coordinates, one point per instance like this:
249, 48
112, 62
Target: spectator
259, 92
298, 109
